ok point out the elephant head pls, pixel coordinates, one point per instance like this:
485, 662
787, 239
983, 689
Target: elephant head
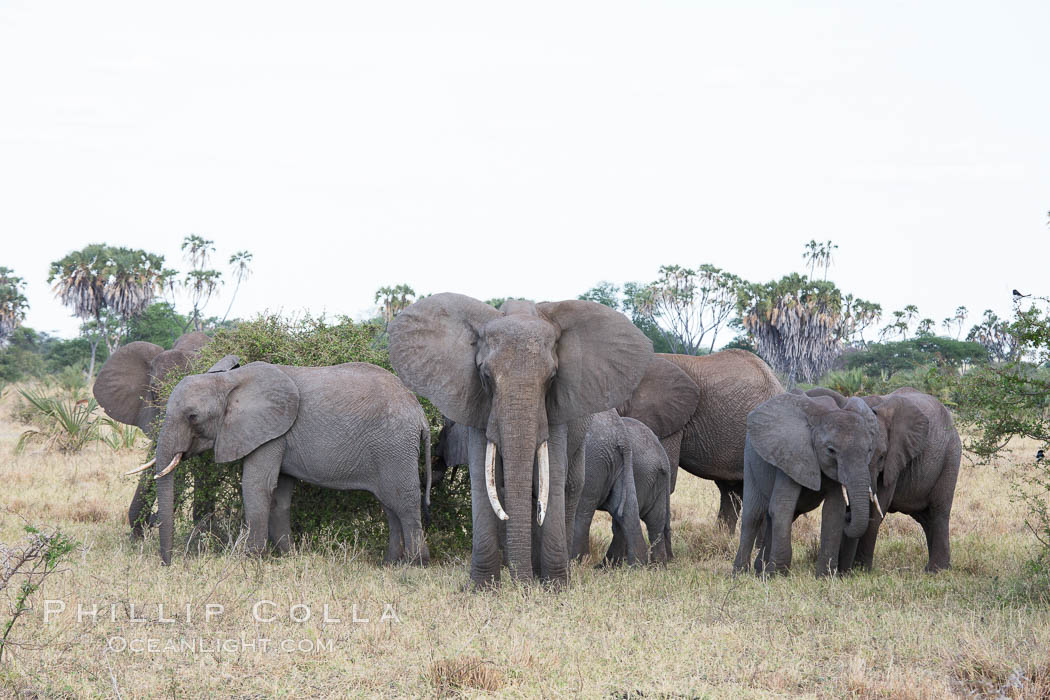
664, 400
128, 384
805, 437
816, 391
231, 411
903, 433
512, 373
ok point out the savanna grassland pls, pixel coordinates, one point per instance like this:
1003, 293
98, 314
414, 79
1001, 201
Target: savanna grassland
688, 630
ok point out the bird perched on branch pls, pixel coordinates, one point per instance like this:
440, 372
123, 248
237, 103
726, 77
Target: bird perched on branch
1039, 456
1018, 295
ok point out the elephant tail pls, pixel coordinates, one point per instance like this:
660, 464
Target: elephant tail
425, 435
626, 474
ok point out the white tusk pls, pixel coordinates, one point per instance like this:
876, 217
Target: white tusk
875, 500
845, 495
544, 463
490, 480
143, 468
174, 463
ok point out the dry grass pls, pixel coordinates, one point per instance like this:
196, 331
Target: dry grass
688, 630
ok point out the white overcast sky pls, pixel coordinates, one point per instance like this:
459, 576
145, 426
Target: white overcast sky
531, 149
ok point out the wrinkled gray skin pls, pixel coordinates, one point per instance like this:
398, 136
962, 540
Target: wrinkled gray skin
451, 451
127, 388
643, 484
915, 468
349, 426
609, 486
518, 377
800, 451
710, 443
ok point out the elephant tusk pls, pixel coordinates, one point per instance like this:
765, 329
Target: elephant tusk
143, 468
174, 463
490, 480
845, 495
875, 500
544, 463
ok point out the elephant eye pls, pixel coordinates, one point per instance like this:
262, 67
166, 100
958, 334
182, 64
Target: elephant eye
830, 449
192, 417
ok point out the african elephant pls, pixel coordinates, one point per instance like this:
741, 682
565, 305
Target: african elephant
642, 486
609, 485
451, 451
523, 378
710, 443
800, 451
127, 389
349, 426
915, 468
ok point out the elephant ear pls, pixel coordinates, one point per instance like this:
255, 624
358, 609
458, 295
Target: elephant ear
602, 357
664, 400
191, 342
907, 431
225, 364
262, 405
433, 349
122, 386
780, 432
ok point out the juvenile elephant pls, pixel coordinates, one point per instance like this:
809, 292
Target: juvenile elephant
609, 485
801, 451
915, 469
349, 426
522, 378
127, 389
642, 485
710, 442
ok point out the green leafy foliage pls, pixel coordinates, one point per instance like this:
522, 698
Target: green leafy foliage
1012, 398
876, 359
318, 514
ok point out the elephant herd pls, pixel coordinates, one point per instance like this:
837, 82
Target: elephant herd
558, 409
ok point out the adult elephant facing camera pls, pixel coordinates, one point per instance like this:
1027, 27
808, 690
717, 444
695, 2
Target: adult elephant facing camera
349, 426
518, 376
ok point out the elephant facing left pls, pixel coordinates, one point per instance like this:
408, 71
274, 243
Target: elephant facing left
348, 426
127, 389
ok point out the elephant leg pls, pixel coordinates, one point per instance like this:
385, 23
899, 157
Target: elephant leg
847, 554
832, 522
781, 514
575, 477
617, 551
866, 547
581, 535
485, 550
554, 551
139, 515
655, 526
280, 514
935, 525
672, 445
750, 525
765, 536
259, 478
731, 495
411, 526
395, 547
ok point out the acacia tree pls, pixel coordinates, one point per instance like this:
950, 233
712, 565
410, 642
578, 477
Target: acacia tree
687, 306
796, 323
108, 286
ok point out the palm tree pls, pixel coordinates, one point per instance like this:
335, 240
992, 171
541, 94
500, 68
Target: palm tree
239, 262
108, 286
201, 282
13, 303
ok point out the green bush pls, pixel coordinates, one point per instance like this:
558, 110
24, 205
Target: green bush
318, 514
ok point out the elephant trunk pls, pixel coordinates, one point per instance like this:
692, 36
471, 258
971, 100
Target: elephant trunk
858, 489
169, 454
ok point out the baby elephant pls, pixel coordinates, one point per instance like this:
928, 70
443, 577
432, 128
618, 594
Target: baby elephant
629, 477
349, 426
799, 451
